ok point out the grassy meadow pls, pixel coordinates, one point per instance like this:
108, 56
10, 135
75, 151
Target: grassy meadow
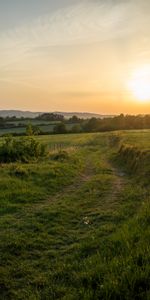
75, 225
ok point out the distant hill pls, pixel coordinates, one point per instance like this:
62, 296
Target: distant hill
29, 114
18, 114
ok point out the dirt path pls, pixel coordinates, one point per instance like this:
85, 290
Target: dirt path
110, 197
113, 196
79, 181
119, 183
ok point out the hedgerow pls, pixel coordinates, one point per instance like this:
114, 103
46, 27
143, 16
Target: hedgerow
21, 149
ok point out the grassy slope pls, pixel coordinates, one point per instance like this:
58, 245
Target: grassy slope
75, 229
139, 138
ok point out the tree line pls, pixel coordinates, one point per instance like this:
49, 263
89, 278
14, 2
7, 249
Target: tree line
77, 125
121, 122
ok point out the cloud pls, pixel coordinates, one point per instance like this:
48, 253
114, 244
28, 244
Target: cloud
28, 55
87, 22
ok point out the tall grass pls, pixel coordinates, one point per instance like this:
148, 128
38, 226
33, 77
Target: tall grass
72, 227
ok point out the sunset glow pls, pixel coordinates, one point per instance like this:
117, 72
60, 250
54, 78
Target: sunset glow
70, 55
140, 84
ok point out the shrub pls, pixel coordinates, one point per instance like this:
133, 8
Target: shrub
76, 128
60, 128
22, 149
60, 155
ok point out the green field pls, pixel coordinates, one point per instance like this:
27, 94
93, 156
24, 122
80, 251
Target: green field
45, 127
25, 122
19, 127
77, 226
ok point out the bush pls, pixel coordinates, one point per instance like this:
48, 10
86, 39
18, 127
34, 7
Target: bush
76, 128
60, 128
22, 149
61, 155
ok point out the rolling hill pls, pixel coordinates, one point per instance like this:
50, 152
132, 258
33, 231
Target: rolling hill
29, 114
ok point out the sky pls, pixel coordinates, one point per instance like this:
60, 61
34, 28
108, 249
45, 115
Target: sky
70, 55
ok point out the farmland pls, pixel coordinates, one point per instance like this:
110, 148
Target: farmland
76, 225
19, 127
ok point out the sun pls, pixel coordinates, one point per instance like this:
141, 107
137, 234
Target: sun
139, 84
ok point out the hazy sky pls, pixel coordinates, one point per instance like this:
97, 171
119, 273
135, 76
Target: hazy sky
70, 55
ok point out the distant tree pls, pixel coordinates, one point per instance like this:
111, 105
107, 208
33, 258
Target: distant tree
36, 130
29, 130
50, 117
60, 128
76, 128
2, 122
12, 118
92, 125
74, 119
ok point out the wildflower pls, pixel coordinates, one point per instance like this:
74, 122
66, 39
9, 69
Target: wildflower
86, 221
